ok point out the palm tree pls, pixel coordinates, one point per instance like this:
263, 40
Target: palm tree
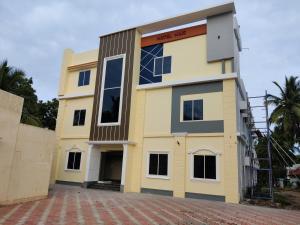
10, 78
14, 81
286, 114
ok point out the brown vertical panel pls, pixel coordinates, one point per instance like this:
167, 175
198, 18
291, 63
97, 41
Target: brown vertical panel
115, 44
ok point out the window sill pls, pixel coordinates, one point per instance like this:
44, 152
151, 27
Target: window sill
158, 177
108, 124
205, 180
70, 170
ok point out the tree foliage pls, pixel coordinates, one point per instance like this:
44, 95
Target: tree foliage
36, 113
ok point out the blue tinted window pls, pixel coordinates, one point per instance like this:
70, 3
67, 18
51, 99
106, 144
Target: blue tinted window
81, 79
162, 65
113, 75
79, 117
167, 65
198, 110
193, 110
87, 77
112, 91
84, 78
187, 110
158, 66
148, 54
110, 105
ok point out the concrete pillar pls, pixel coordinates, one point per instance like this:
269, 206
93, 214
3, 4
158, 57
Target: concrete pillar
124, 166
179, 158
231, 177
92, 165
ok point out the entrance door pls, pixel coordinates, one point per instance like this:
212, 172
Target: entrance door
111, 166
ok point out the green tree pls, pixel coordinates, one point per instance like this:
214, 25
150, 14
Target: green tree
14, 81
48, 113
286, 115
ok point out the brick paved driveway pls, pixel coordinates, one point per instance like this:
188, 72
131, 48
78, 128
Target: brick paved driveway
74, 205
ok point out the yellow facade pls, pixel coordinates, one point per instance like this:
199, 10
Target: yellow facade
151, 121
73, 97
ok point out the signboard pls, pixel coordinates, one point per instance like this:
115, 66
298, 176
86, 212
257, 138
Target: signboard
173, 35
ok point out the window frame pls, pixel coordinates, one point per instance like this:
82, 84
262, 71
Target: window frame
205, 179
79, 125
102, 90
164, 177
182, 110
67, 159
83, 71
162, 74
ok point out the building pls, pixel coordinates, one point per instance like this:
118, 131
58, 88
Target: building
158, 108
26, 155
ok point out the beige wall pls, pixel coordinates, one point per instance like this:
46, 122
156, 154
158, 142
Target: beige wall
26, 154
189, 60
72, 97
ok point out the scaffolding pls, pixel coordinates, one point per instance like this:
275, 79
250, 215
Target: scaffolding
260, 132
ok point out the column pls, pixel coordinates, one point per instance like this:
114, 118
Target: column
124, 162
92, 165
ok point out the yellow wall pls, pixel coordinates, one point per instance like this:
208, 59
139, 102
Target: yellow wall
72, 81
77, 145
189, 59
215, 144
69, 106
74, 137
26, 154
158, 111
157, 145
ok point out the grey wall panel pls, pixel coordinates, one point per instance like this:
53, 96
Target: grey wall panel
157, 191
220, 37
216, 126
205, 196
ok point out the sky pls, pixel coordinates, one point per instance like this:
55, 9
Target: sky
34, 34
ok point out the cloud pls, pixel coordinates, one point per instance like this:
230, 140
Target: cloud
34, 34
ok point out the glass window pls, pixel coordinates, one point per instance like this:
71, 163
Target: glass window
79, 117
162, 65
74, 159
167, 64
204, 166
84, 78
153, 164
111, 97
210, 167
187, 110
198, 110
158, 164
193, 110
198, 166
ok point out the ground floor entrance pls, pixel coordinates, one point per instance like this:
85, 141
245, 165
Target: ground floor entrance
106, 166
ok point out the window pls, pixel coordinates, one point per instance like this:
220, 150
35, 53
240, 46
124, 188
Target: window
79, 117
204, 167
84, 78
112, 90
162, 65
193, 110
158, 164
74, 159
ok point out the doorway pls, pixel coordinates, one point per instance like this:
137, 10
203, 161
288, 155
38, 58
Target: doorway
111, 167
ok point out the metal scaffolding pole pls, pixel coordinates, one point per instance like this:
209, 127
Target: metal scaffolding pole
264, 132
269, 147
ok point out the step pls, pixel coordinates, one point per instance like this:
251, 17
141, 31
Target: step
113, 187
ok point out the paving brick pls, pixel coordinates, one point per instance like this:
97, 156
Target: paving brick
68, 205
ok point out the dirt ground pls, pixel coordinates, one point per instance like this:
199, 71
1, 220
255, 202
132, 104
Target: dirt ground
292, 198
